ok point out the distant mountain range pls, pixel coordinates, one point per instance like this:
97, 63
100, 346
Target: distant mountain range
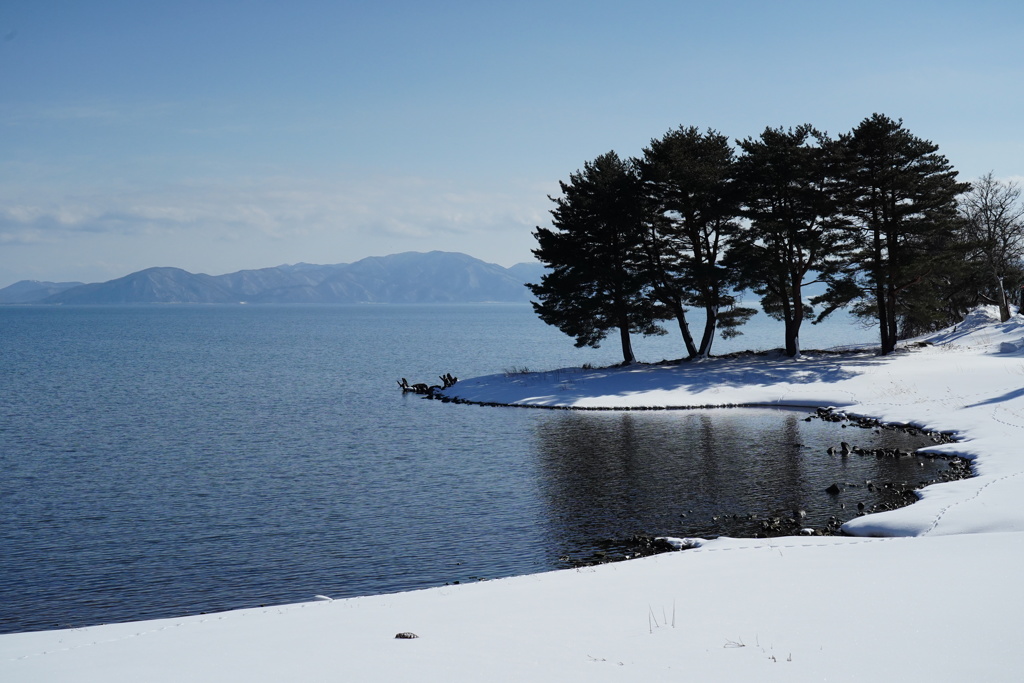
411, 277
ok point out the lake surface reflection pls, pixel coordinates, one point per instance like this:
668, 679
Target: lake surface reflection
714, 472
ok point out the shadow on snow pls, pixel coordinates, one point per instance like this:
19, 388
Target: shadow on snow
566, 386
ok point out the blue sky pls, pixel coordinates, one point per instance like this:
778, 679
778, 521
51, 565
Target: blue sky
217, 136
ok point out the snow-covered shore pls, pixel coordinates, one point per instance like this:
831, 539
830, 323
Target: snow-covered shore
927, 592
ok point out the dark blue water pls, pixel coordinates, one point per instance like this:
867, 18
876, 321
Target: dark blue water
166, 460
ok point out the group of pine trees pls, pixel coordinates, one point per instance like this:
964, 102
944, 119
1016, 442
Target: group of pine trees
876, 214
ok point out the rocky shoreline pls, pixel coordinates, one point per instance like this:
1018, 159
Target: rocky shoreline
889, 495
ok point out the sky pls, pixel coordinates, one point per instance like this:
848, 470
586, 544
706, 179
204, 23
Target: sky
221, 136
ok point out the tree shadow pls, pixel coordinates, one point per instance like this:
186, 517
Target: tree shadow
1008, 396
970, 327
566, 386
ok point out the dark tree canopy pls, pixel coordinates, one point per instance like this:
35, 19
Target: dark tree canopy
874, 215
594, 253
900, 195
792, 238
692, 220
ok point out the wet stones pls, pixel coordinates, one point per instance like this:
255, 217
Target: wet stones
834, 415
612, 550
848, 500
958, 469
829, 415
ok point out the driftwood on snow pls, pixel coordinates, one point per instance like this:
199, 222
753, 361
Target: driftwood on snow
447, 380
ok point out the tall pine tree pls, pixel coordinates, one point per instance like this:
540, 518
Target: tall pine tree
900, 196
595, 256
792, 239
691, 220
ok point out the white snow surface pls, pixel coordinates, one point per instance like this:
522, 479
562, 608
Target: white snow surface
930, 592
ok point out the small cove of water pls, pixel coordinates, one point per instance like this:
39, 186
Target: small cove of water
160, 461
732, 472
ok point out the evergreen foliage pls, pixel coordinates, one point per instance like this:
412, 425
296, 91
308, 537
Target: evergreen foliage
596, 278
691, 222
793, 236
900, 197
874, 214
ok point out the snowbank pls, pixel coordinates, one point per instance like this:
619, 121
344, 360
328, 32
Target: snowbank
937, 599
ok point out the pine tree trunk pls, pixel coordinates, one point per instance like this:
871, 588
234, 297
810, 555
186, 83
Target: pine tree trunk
627, 346
622, 314
794, 319
793, 335
893, 274
891, 326
710, 325
684, 329
886, 344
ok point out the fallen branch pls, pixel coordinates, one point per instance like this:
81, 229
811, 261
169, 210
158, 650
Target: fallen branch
447, 380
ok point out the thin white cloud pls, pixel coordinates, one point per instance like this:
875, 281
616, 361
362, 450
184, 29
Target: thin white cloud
274, 220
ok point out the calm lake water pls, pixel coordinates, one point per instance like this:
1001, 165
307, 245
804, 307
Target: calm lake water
166, 460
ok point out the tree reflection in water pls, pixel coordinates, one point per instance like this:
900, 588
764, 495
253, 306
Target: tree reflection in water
608, 475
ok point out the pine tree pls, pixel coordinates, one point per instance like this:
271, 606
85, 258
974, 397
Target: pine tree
901, 198
595, 257
691, 219
792, 239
